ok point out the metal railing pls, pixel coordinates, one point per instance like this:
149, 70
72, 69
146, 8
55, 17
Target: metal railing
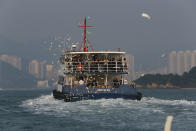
94, 66
99, 84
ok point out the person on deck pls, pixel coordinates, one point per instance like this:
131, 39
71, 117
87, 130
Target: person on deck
115, 82
94, 82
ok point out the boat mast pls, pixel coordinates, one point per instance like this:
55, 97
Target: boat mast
85, 40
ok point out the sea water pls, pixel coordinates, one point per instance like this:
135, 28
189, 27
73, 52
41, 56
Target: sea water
37, 110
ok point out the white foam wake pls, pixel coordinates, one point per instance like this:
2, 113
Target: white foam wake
48, 105
149, 113
153, 100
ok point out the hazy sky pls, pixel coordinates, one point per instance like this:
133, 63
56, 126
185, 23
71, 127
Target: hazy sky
117, 23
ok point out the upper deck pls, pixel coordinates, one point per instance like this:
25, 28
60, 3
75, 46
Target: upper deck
94, 62
94, 52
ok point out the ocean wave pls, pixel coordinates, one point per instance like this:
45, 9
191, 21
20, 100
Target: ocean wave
4, 109
46, 104
168, 102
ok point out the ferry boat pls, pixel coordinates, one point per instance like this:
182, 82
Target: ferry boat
87, 74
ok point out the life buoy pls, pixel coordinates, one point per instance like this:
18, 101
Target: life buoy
80, 67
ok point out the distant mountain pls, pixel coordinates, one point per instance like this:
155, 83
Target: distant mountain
187, 80
11, 77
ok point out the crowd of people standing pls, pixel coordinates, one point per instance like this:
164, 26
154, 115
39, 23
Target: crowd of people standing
95, 63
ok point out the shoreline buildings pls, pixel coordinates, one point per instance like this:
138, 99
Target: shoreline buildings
181, 61
41, 70
172, 62
131, 68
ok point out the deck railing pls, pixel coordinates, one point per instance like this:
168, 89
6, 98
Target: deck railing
99, 84
96, 66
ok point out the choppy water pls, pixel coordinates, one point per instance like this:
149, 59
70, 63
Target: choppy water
37, 110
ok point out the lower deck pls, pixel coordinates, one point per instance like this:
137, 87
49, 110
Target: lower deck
93, 96
82, 92
94, 80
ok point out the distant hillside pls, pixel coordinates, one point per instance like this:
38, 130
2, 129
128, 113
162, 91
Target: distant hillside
10, 77
187, 80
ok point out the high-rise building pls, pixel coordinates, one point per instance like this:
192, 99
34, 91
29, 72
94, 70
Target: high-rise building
193, 59
42, 70
132, 66
172, 62
12, 60
187, 61
180, 62
49, 72
34, 68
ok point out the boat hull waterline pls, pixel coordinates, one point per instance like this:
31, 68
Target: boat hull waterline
70, 94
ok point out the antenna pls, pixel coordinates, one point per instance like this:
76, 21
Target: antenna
85, 40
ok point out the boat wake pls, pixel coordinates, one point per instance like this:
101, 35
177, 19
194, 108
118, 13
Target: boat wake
46, 104
149, 113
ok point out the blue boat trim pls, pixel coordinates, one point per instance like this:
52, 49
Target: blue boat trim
81, 92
